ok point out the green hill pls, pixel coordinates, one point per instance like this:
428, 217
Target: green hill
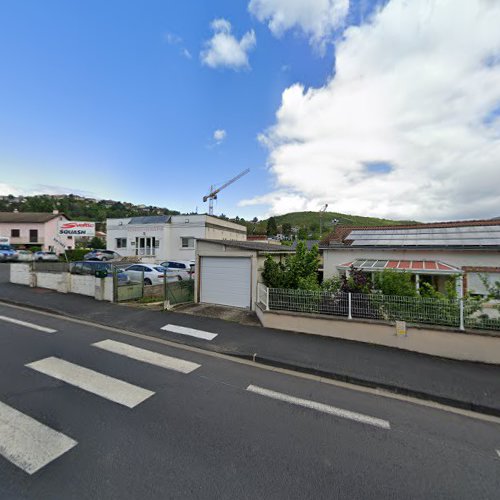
310, 222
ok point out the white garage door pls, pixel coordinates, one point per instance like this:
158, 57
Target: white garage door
225, 280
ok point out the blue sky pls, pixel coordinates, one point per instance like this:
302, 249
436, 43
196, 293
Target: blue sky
371, 106
94, 98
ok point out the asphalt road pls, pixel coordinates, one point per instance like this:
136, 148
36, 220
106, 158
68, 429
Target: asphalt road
201, 433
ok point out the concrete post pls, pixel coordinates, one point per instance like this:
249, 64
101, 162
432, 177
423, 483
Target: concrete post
349, 297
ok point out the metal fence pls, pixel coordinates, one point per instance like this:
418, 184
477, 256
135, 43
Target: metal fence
50, 267
461, 314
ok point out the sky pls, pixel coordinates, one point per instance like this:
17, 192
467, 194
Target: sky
387, 108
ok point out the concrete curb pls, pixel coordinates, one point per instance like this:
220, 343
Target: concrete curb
276, 363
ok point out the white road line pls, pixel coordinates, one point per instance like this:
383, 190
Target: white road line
153, 358
28, 443
313, 405
89, 380
189, 331
498, 452
29, 325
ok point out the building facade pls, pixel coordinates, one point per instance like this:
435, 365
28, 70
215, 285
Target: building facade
167, 237
34, 229
431, 252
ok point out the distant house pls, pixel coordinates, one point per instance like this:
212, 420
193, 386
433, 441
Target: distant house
34, 229
431, 252
167, 237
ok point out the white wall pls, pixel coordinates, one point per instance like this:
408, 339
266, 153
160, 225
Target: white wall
20, 274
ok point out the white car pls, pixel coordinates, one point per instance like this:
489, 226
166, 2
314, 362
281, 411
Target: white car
24, 256
45, 256
183, 269
153, 274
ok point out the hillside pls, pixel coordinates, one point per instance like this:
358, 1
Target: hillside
78, 207
310, 222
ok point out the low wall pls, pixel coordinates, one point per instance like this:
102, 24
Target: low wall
20, 274
447, 344
99, 288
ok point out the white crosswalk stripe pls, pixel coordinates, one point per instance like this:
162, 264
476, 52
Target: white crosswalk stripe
191, 332
27, 443
146, 356
314, 405
33, 326
89, 380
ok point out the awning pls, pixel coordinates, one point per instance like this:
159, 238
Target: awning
411, 266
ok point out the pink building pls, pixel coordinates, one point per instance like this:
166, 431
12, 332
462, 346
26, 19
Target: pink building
34, 229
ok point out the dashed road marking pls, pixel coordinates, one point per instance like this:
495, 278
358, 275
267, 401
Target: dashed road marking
313, 405
33, 326
498, 452
200, 334
153, 358
27, 443
116, 390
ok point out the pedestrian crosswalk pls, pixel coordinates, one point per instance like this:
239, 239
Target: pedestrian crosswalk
31, 445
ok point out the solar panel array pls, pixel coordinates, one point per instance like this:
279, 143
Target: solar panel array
436, 236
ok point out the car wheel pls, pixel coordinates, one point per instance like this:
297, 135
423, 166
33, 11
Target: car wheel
147, 281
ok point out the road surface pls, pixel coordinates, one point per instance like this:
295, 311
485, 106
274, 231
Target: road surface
88, 412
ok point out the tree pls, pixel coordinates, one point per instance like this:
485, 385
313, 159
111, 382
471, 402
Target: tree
286, 229
302, 234
97, 242
272, 227
298, 271
391, 282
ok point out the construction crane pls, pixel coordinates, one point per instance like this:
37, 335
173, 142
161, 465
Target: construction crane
214, 192
321, 212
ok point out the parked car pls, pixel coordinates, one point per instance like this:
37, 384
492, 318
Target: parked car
99, 254
24, 256
153, 274
183, 269
7, 253
45, 256
91, 267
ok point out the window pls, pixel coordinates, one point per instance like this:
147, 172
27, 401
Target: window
187, 242
121, 242
15, 233
33, 235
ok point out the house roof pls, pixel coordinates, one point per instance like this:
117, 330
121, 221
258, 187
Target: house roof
35, 217
412, 266
150, 219
253, 245
455, 234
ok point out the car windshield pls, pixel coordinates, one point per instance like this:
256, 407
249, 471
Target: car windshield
5, 247
160, 269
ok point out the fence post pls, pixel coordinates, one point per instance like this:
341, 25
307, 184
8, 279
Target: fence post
349, 316
267, 298
462, 326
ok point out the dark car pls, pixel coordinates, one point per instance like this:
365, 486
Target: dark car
91, 267
101, 255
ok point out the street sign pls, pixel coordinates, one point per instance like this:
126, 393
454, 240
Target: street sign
59, 242
400, 327
76, 228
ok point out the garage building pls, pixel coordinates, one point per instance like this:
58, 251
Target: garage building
227, 272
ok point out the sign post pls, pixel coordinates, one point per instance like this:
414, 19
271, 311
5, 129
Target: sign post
61, 244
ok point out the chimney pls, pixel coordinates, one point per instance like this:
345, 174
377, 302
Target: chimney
16, 211
55, 212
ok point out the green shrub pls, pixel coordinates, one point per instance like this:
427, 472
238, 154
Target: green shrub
77, 254
391, 282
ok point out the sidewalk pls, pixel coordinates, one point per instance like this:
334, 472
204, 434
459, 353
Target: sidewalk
462, 384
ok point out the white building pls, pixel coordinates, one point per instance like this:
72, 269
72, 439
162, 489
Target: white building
431, 252
167, 237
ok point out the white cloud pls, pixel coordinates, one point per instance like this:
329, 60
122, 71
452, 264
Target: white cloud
6, 189
318, 19
176, 40
416, 89
223, 49
219, 135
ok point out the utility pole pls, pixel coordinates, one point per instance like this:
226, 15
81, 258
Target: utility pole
321, 212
